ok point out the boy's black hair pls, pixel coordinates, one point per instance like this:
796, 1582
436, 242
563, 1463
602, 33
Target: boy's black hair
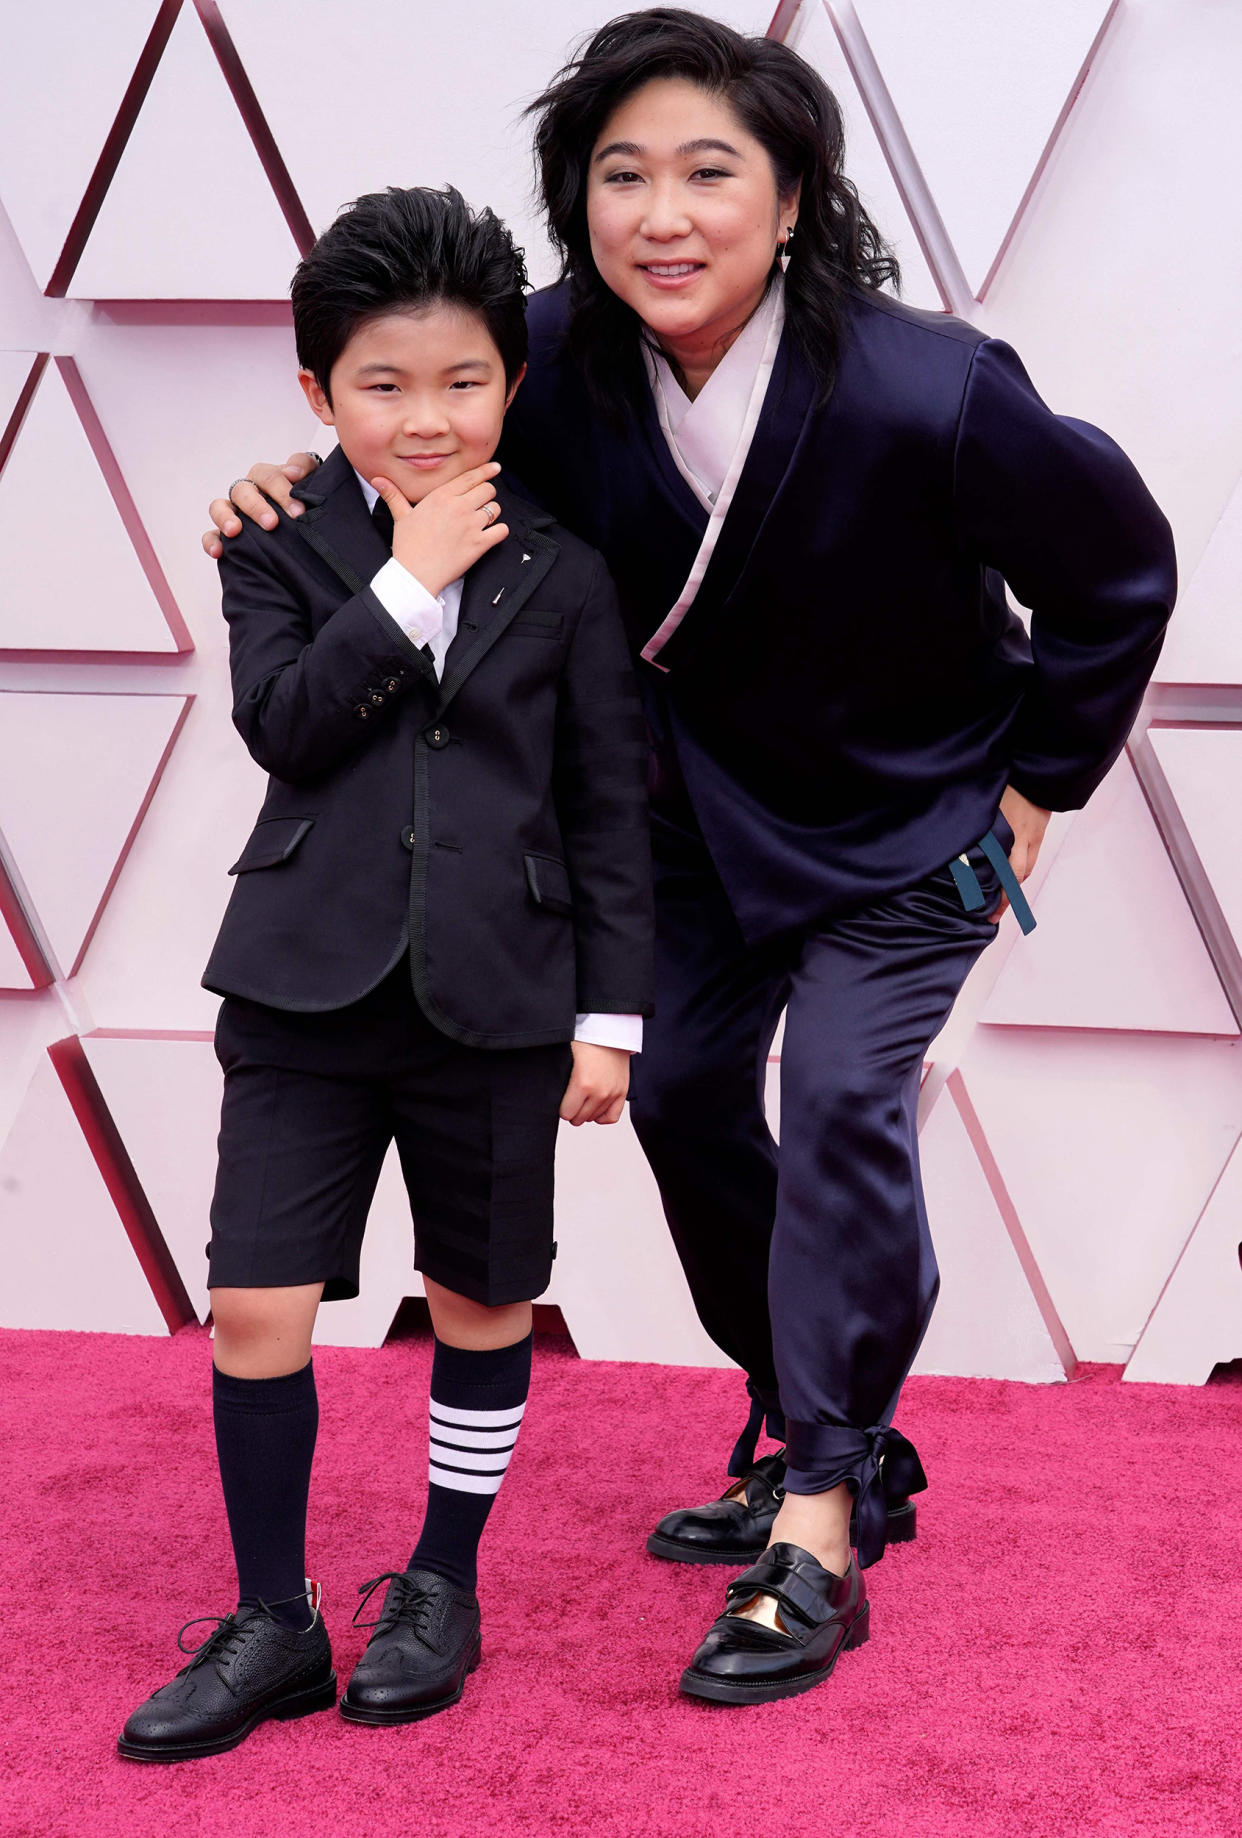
400, 249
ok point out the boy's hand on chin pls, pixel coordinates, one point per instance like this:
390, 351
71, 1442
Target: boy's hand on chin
597, 1085
437, 539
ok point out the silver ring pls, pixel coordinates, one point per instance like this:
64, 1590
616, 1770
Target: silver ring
229, 493
493, 511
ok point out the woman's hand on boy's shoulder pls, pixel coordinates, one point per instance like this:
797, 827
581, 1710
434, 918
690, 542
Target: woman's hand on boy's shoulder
248, 497
598, 1084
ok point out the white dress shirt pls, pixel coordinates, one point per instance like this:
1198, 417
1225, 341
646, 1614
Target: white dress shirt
710, 437
431, 619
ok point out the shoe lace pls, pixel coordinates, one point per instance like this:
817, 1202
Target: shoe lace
219, 1645
227, 1637
407, 1602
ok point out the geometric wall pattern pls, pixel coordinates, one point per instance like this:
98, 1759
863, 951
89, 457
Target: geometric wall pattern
106, 591
76, 775
1081, 1128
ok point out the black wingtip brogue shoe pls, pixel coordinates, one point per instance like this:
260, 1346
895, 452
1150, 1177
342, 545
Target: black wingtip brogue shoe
735, 1528
821, 1615
426, 1642
251, 1668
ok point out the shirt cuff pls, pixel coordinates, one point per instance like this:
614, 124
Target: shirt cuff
405, 599
624, 1031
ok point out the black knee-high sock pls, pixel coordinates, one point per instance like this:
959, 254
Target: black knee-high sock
265, 1440
477, 1400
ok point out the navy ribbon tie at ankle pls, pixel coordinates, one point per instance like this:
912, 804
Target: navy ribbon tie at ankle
871, 1506
903, 1471
742, 1459
842, 1454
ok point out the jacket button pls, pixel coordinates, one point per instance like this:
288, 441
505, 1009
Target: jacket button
437, 737
392, 686
363, 712
407, 836
376, 698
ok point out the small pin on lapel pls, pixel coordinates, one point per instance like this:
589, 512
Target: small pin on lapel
499, 597
526, 558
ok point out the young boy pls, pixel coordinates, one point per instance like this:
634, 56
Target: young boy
448, 884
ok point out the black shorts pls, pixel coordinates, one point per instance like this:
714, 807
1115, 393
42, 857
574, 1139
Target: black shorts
311, 1103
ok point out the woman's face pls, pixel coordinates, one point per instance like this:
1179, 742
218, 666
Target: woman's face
683, 213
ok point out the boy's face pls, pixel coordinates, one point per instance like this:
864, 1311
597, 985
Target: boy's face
417, 397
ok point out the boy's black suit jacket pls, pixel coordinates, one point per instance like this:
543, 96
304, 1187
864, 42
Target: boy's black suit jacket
850, 692
493, 824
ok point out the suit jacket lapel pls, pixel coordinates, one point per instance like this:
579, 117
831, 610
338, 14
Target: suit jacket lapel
783, 422
337, 525
497, 587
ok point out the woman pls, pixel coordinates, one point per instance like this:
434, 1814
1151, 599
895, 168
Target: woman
810, 497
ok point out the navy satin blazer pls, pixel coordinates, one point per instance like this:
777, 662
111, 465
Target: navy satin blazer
850, 692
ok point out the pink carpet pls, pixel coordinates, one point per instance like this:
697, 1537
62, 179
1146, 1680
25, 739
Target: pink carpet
1059, 1654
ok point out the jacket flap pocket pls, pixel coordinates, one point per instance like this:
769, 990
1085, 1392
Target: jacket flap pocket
548, 881
537, 624
274, 840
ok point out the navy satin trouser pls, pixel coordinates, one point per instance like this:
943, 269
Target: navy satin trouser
811, 1266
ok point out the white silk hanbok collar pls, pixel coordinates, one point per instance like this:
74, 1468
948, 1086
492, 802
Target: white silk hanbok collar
710, 437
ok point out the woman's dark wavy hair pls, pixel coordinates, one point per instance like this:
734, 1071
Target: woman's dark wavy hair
399, 250
783, 103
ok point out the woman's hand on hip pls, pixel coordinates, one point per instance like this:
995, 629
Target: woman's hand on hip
246, 498
598, 1084
1028, 822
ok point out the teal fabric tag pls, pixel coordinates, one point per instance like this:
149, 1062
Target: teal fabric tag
967, 883
1009, 881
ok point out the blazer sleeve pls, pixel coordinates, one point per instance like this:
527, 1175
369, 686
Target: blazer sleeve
1056, 508
600, 788
303, 701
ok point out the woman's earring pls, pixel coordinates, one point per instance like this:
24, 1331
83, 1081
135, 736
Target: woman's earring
785, 250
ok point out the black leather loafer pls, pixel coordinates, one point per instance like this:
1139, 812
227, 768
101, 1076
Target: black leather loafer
251, 1668
731, 1530
425, 1643
743, 1662
735, 1528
